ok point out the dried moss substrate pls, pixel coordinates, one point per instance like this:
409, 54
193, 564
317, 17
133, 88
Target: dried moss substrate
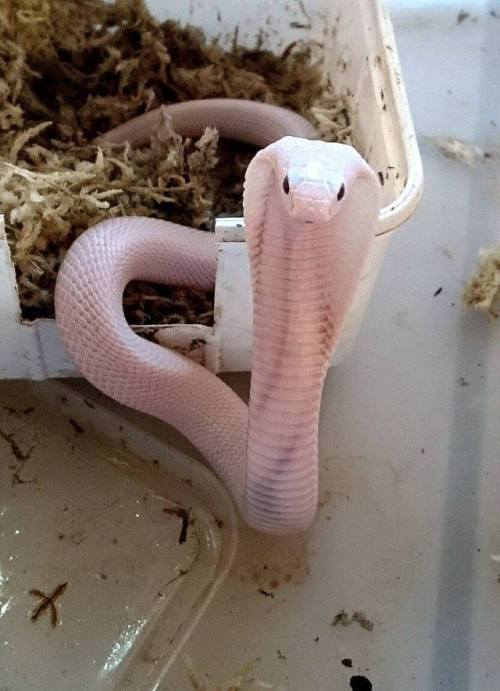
483, 290
72, 69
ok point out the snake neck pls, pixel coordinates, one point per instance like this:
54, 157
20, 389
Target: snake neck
294, 328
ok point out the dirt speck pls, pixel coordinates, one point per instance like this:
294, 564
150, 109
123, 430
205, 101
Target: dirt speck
14, 411
183, 514
324, 498
266, 593
76, 426
22, 456
15, 448
178, 576
444, 251
363, 621
342, 618
462, 16
360, 683
347, 662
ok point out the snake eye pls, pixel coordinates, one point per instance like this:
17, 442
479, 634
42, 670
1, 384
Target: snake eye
286, 185
341, 192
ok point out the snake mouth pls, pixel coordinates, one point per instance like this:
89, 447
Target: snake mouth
312, 210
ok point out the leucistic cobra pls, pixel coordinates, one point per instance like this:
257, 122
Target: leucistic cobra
311, 211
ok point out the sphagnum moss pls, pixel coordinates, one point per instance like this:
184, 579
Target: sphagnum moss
72, 69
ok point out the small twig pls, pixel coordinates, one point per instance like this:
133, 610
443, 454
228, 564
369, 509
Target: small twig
48, 601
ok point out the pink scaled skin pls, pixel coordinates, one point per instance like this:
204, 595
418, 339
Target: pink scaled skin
311, 211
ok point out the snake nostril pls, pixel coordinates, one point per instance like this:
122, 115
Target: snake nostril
286, 185
341, 192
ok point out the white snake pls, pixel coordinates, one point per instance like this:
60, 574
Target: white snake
311, 212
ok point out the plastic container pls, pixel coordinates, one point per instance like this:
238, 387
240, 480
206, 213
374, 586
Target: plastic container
356, 44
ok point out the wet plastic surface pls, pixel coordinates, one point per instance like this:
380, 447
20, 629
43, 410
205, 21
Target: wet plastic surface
108, 557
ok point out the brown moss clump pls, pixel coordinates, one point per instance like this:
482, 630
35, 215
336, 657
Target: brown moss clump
72, 69
483, 290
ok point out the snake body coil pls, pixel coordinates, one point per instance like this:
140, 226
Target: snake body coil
311, 210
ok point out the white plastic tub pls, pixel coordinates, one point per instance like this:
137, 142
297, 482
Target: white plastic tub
356, 43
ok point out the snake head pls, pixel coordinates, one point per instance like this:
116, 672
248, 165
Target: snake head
312, 178
315, 192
